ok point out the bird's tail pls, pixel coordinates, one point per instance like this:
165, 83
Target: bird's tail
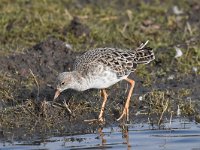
144, 54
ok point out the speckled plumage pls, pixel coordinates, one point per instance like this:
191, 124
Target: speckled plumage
101, 68
123, 62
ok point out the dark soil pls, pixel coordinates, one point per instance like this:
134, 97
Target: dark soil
45, 60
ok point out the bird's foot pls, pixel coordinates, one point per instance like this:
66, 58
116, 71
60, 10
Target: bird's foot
100, 121
65, 106
124, 114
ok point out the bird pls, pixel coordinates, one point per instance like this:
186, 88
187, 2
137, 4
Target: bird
101, 68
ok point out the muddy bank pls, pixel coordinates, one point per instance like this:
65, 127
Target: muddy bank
29, 79
45, 60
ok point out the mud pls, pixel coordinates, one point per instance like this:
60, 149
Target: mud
45, 60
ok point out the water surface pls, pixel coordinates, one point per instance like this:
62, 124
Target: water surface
178, 134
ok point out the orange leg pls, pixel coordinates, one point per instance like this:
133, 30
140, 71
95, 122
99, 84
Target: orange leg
105, 96
126, 108
100, 119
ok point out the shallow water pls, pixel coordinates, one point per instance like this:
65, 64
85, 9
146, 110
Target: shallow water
178, 134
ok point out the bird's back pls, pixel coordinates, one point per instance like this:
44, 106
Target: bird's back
121, 61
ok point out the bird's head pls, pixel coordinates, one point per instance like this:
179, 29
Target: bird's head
63, 82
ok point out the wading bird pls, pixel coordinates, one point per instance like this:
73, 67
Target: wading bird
103, 67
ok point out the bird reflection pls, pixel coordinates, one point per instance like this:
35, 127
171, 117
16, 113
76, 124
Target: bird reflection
101, 135
125, 135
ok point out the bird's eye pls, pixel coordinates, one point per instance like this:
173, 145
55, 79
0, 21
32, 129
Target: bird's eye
62, 83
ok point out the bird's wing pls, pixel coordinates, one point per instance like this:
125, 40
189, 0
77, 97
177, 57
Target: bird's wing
89, 58
120, 61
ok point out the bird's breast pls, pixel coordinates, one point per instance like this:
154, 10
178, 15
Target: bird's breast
103, 79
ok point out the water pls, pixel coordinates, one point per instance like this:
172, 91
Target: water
177, 135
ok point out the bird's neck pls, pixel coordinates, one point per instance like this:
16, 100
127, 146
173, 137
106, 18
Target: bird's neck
80, 83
